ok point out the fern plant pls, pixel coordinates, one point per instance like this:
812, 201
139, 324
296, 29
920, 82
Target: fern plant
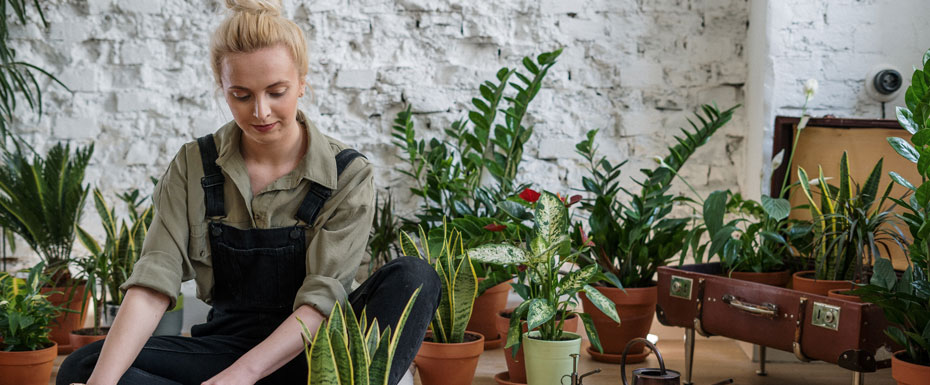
41, 199
633, 239
346, 350
442, 248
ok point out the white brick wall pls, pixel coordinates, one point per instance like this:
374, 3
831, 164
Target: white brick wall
636, 69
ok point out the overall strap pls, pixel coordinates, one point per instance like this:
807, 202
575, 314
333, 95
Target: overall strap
317, 196
212, 181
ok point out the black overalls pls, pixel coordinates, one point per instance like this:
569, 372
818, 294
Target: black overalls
257, 274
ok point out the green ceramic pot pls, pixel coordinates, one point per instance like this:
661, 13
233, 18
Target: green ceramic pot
548, 361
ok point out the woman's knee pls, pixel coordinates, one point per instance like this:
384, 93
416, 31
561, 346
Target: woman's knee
413, 270
79, 365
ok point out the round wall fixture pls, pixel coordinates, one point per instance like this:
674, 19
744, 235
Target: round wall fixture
883, 83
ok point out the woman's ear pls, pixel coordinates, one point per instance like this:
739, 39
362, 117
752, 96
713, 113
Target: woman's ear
303, 88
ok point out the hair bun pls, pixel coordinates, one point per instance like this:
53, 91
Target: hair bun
270, 7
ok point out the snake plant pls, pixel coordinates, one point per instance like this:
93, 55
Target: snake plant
345, 350
442, 248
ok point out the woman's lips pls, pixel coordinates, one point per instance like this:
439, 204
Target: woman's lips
264, 128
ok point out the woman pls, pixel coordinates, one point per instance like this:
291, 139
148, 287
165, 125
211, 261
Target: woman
271, 218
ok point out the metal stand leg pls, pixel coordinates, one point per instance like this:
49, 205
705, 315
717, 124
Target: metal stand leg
761, 371
858, 378
689, 355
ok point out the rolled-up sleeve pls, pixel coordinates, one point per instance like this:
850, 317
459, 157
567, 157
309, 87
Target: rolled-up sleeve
163, 261
334, 253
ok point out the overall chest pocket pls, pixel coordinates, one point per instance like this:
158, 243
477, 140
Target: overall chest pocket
264, 278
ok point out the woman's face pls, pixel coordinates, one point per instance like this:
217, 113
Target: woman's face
262, 89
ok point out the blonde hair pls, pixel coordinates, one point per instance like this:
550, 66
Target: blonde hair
254, 25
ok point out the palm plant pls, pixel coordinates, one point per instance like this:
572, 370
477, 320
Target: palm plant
848, 231
345, 350
442, 248
41, 199
631, 240
111, 265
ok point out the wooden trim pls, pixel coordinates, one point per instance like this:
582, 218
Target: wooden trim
784, 135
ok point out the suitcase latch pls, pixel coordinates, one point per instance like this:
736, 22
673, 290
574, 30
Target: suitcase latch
826, 316
681, 287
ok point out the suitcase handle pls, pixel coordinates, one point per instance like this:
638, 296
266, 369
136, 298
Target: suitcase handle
767, 309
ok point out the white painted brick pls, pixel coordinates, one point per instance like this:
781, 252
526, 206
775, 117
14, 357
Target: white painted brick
81, 127
70, 32
142, 6
134, 53
428, 100
95, 7
562, 6
141, 153
554, 149
582, 29
641, 73
133, 101
83, 78
363, 79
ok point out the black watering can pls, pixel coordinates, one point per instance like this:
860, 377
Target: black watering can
652, 376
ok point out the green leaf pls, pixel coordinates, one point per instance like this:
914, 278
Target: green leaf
883, 274
906, 119
540, 311
464, 291
714, 208
322, 368
500, 254
921, 138
591, 330
777, 208
551, 218
577, 279
602, 303
903, 148
407, 246
901, 181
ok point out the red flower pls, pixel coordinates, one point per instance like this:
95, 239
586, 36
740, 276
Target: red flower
521, 267
585, 242
529, 195
495, 227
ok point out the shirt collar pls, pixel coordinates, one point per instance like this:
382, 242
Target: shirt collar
318, 164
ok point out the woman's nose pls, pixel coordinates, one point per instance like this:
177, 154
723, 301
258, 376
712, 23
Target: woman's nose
261, 108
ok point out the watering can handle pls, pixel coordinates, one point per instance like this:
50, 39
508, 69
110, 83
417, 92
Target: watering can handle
627, 349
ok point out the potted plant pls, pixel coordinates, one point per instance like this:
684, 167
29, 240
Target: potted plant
550, 296
346, 350
451, 174
41, 200
26, 353
851, 226
631, 240
449, 354
906, 300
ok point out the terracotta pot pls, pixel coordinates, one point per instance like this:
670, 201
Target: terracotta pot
28, 368
451, 364
841, 294
516, 366
906, 373
483, 315
81, 337
636, 307
775, 278
71, 298
804, 281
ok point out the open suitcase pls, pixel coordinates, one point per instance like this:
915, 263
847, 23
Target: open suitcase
813, 327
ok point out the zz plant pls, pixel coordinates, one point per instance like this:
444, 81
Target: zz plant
550, 296
442, 248
346, 350
631, 240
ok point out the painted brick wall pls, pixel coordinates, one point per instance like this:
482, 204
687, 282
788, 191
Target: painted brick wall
636, 69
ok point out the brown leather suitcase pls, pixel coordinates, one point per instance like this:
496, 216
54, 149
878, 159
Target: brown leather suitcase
813, 327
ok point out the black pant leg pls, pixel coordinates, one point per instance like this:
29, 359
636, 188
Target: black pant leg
384, 295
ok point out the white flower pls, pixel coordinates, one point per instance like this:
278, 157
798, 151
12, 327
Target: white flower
810, 88
4, 303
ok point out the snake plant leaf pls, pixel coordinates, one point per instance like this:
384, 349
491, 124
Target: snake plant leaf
465, 289
407, 246
381, 361
89, 242
777, 208
403, 319
499, 254
870, 188
602, 303
903, 148
442, 320
340, 344
576, 280
358, 349
322, 365
540, 311
806, 188
845, 181
551, 218
591, 330
372, 338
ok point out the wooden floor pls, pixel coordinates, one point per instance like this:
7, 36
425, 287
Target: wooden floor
716, 359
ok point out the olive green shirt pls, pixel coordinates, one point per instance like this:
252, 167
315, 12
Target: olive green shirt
177, 249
